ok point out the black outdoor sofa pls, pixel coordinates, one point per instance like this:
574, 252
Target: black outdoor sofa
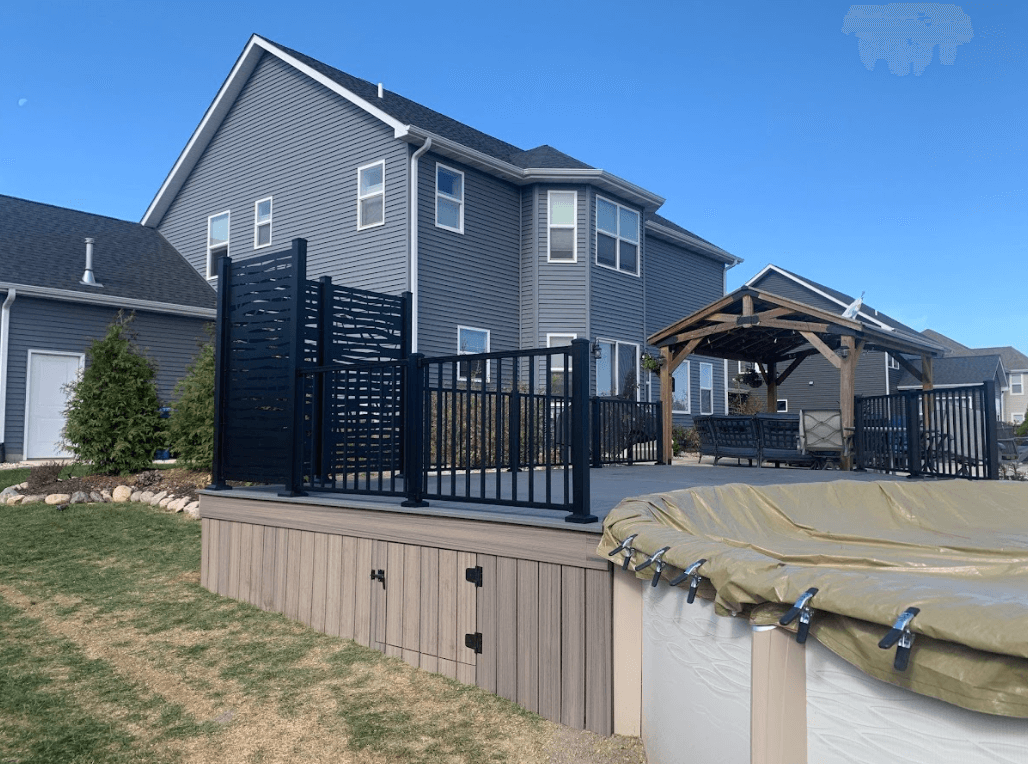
761, 438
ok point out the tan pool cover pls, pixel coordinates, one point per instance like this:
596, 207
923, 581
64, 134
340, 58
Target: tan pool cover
956, 549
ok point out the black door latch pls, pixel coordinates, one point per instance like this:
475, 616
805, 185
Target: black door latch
379, 575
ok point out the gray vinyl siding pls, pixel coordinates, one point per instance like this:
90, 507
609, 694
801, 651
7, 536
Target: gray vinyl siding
293, 139
785, 287
563, 289
170, 341
473, 278
529, 271
679, 282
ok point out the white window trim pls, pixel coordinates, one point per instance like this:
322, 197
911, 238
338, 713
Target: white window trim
210, 261
257, 225
688, 390
28, 385
617, 371
488, 345
617, 239
711, 388
1018, 418
550, 226
1020, 381
460, 202
778, 403
549, 342
360, 224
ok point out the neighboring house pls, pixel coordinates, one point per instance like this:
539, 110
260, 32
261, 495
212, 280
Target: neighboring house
1015, 364
959, 371
502, 248
49, 316
815, 384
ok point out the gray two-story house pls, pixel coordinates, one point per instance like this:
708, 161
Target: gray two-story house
502, 248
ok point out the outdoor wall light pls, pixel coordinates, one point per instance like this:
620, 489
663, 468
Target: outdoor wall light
597, 350
811, 383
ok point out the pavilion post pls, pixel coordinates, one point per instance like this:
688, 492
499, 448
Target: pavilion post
666, 398
847, 390
772, 388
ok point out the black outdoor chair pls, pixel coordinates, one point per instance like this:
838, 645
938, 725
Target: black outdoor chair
780, 440
705, 431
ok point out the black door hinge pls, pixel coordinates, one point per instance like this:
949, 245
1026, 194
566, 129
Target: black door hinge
474, 576
473, 641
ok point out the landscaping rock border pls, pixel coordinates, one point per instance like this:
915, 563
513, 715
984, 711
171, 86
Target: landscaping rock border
120, 495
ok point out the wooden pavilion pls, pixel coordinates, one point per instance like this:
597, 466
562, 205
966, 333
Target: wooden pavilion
777, 334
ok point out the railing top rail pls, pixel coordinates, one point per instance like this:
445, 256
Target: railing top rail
502, 354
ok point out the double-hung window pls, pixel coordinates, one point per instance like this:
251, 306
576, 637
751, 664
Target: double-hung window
469, 342
217, 241
449, 198
262, 223
371, 195
1017, 384
562, 214
706, 388
680, 389
617, 370
617, 236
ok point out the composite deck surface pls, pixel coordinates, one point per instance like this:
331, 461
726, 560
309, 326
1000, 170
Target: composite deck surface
609, 486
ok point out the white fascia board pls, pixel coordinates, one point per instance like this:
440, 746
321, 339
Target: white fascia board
89, 298
941, 387
218, 110
677, 237
522, 176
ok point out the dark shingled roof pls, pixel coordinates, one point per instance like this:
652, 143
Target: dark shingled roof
942, 339
956, 370
847, 300
1013, 359
44, 246
661, 220
411, 113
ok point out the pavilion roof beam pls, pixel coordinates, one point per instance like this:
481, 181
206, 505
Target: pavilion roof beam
913, 370
822, 348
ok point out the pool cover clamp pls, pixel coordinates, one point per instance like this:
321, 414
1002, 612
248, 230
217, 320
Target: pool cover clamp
694, 579
626, 547
803, 610
901, 633
657, 563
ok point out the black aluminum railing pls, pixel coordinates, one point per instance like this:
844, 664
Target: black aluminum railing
942, 433
626, 432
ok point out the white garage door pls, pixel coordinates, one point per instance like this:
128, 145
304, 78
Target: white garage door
48, 373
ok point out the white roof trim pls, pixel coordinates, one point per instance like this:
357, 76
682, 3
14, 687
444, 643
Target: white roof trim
807, 285
244, 67
691, 241
108, 300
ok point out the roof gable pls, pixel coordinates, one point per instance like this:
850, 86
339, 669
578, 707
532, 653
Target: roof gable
44, 246
957, 370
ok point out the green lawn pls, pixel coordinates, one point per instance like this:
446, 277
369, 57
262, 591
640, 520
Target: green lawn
110, 651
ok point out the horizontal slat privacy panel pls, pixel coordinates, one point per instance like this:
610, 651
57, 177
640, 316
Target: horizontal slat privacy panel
546, 628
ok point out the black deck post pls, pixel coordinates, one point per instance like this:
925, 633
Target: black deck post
413, 431
294, 457
319, 430
913, 432
594, 415
660, 432
221, 346
858, 432
580, 439
991, 441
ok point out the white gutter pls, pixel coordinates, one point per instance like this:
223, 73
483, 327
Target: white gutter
412, 272
109, 300
5, 328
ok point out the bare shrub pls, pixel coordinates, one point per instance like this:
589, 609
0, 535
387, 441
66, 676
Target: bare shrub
43, 476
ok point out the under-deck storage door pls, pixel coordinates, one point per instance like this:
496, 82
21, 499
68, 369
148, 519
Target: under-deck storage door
48, 374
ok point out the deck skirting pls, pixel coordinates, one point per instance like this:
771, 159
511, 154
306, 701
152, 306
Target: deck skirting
543, 610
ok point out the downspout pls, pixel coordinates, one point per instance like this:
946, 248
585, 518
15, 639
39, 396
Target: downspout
413, 270
5, 329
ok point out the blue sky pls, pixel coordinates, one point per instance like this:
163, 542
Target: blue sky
758, 122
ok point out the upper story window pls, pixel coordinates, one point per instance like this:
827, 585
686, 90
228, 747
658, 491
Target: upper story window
706, 388
449, 198
680, 389
217, 241
563, 214
1017, 384
371, 195
617, 236
617, 370
470, 341
262, 223
893, 363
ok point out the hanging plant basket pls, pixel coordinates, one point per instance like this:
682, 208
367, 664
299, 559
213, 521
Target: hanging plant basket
751, 379
653, 363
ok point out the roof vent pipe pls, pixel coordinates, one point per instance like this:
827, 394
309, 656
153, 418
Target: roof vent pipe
380, 90
87, 277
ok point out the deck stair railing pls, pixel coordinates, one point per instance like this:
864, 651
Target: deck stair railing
949, 432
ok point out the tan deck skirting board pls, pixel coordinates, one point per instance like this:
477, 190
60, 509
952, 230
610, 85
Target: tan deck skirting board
544, 609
